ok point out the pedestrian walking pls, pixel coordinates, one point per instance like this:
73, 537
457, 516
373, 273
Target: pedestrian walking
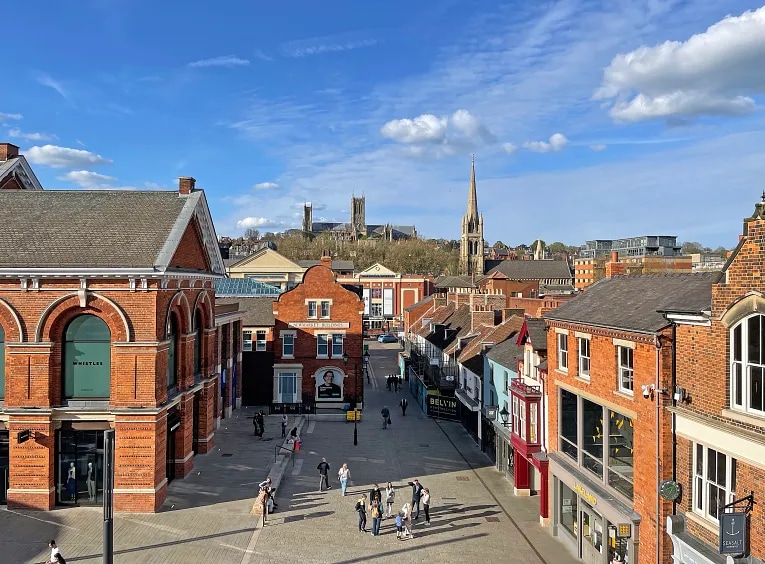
426, 504
262, 422
399, 524
389, 380
54, 552
416, 495
284, 425
343, 474
361, 509
323, 469
404, 404
376, 513
390, 499
395, 383
386, 417
255, 424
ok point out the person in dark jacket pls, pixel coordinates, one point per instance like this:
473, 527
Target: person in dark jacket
386, 416
416, 495
323, 469
404, 404
375, 494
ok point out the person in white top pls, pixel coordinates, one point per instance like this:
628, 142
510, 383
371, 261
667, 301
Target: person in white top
53, 552
390, 499
426, 504
343, 475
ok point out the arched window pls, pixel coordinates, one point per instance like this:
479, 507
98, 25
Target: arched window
747, 360
87, 358
172, 352
2, 362
198, 343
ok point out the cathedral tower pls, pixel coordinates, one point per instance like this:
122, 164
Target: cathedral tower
358, 219
308, 217
471, 242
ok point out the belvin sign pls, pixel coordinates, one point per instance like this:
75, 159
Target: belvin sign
442, 407
733, 533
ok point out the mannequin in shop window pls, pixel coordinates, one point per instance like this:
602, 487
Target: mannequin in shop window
71, 483
91, 482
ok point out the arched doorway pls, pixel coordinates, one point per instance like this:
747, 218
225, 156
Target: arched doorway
87, 358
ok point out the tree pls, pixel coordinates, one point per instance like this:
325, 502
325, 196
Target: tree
499, 245
252, 234
691, 247
557, 247
721, 251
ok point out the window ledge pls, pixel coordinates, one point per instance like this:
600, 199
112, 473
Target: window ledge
702, 522
754, 420
290, 356
561, 371
581, 379
322, 357
623, 394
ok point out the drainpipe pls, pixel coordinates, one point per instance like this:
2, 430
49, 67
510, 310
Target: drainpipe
674, 415
657, 343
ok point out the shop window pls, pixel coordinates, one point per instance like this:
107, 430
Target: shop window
714, 482
79, 468
568, 424
562, 352
246, 341
584, 358
87, 358
2, 363
626, 369
592, 437
620, 453
337, 345
260, 340
198, 344
747, 358
568, 510
172, 352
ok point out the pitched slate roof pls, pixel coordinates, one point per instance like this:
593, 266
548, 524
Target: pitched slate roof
336, 264
244, 287
98, 228
533, 269
536, 332
423, 301
506, 353
633, 302
454, 282
258, 311
471, 357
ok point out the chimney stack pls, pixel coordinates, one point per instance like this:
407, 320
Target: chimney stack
614, 256
326, 260
481, 315
8, 151
186, 185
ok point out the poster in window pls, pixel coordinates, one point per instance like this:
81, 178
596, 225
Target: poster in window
388, 301
366, 301
329, 384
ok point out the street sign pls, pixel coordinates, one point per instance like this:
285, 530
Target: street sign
732, 533
23, 436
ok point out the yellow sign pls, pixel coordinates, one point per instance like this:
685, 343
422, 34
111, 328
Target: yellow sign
587, 496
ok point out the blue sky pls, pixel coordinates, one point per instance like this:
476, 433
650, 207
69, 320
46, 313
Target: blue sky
589, 119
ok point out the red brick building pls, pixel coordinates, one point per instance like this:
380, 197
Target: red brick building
107, 321
609, 372
387, 294
718, 406
318, 342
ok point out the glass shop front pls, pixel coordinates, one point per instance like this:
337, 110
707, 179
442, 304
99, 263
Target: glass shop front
5, 464
79, 466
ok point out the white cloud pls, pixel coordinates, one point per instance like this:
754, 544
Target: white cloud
85, 177
598, 147
46, 80
10, 116
509, 148
458, 131
266, 186
423, 128
256, 222
712, 73
258, 54
63, 157
18, 134
556, 143
227, 61
327, 44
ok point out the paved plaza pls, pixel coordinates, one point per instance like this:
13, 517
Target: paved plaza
207, 516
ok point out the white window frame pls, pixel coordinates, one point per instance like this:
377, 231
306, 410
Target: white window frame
260, 344
516, 416
324, 308
312, 309
288, 336
285, 376
322, 349
522, 417
562, 350
533, 422
626, 372
704, 485
506, 386
337, 344
376, 310
584, 358
741, 376
246, 341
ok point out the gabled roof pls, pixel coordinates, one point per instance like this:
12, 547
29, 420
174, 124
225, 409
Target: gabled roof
343, 265
423, 301
471, 357
440, 315
258, 310
101, 230
534, 331
506, 353
634, 302
377, 269
244, 287
266, 253
454, 282
19, 169
533, 269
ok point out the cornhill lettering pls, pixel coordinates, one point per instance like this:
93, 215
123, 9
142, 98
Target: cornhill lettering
587, 496
87, 363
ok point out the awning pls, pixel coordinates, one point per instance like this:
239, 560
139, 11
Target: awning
467, 400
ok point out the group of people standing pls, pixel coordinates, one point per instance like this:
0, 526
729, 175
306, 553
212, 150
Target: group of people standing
259, 422
379, 510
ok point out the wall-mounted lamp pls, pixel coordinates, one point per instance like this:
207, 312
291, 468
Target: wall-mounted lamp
681, 394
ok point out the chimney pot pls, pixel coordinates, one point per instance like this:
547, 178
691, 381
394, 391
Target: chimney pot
614, 256
8, 151
186, 185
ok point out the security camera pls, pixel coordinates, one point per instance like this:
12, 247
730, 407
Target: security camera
646, 391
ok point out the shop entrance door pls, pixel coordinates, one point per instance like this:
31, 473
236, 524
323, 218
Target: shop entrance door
592, 534
80, 467
5, 464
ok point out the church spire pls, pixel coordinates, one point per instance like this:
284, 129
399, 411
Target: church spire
472, 209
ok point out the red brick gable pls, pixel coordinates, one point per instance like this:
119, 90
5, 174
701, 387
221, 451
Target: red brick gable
10, 184
191, 252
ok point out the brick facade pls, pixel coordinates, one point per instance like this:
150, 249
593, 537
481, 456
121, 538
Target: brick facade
346, 319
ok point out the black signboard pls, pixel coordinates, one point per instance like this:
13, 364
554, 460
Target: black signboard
23, 436
442, 407
733, 533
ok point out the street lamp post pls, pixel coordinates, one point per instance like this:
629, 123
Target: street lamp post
505, 415
365, 362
